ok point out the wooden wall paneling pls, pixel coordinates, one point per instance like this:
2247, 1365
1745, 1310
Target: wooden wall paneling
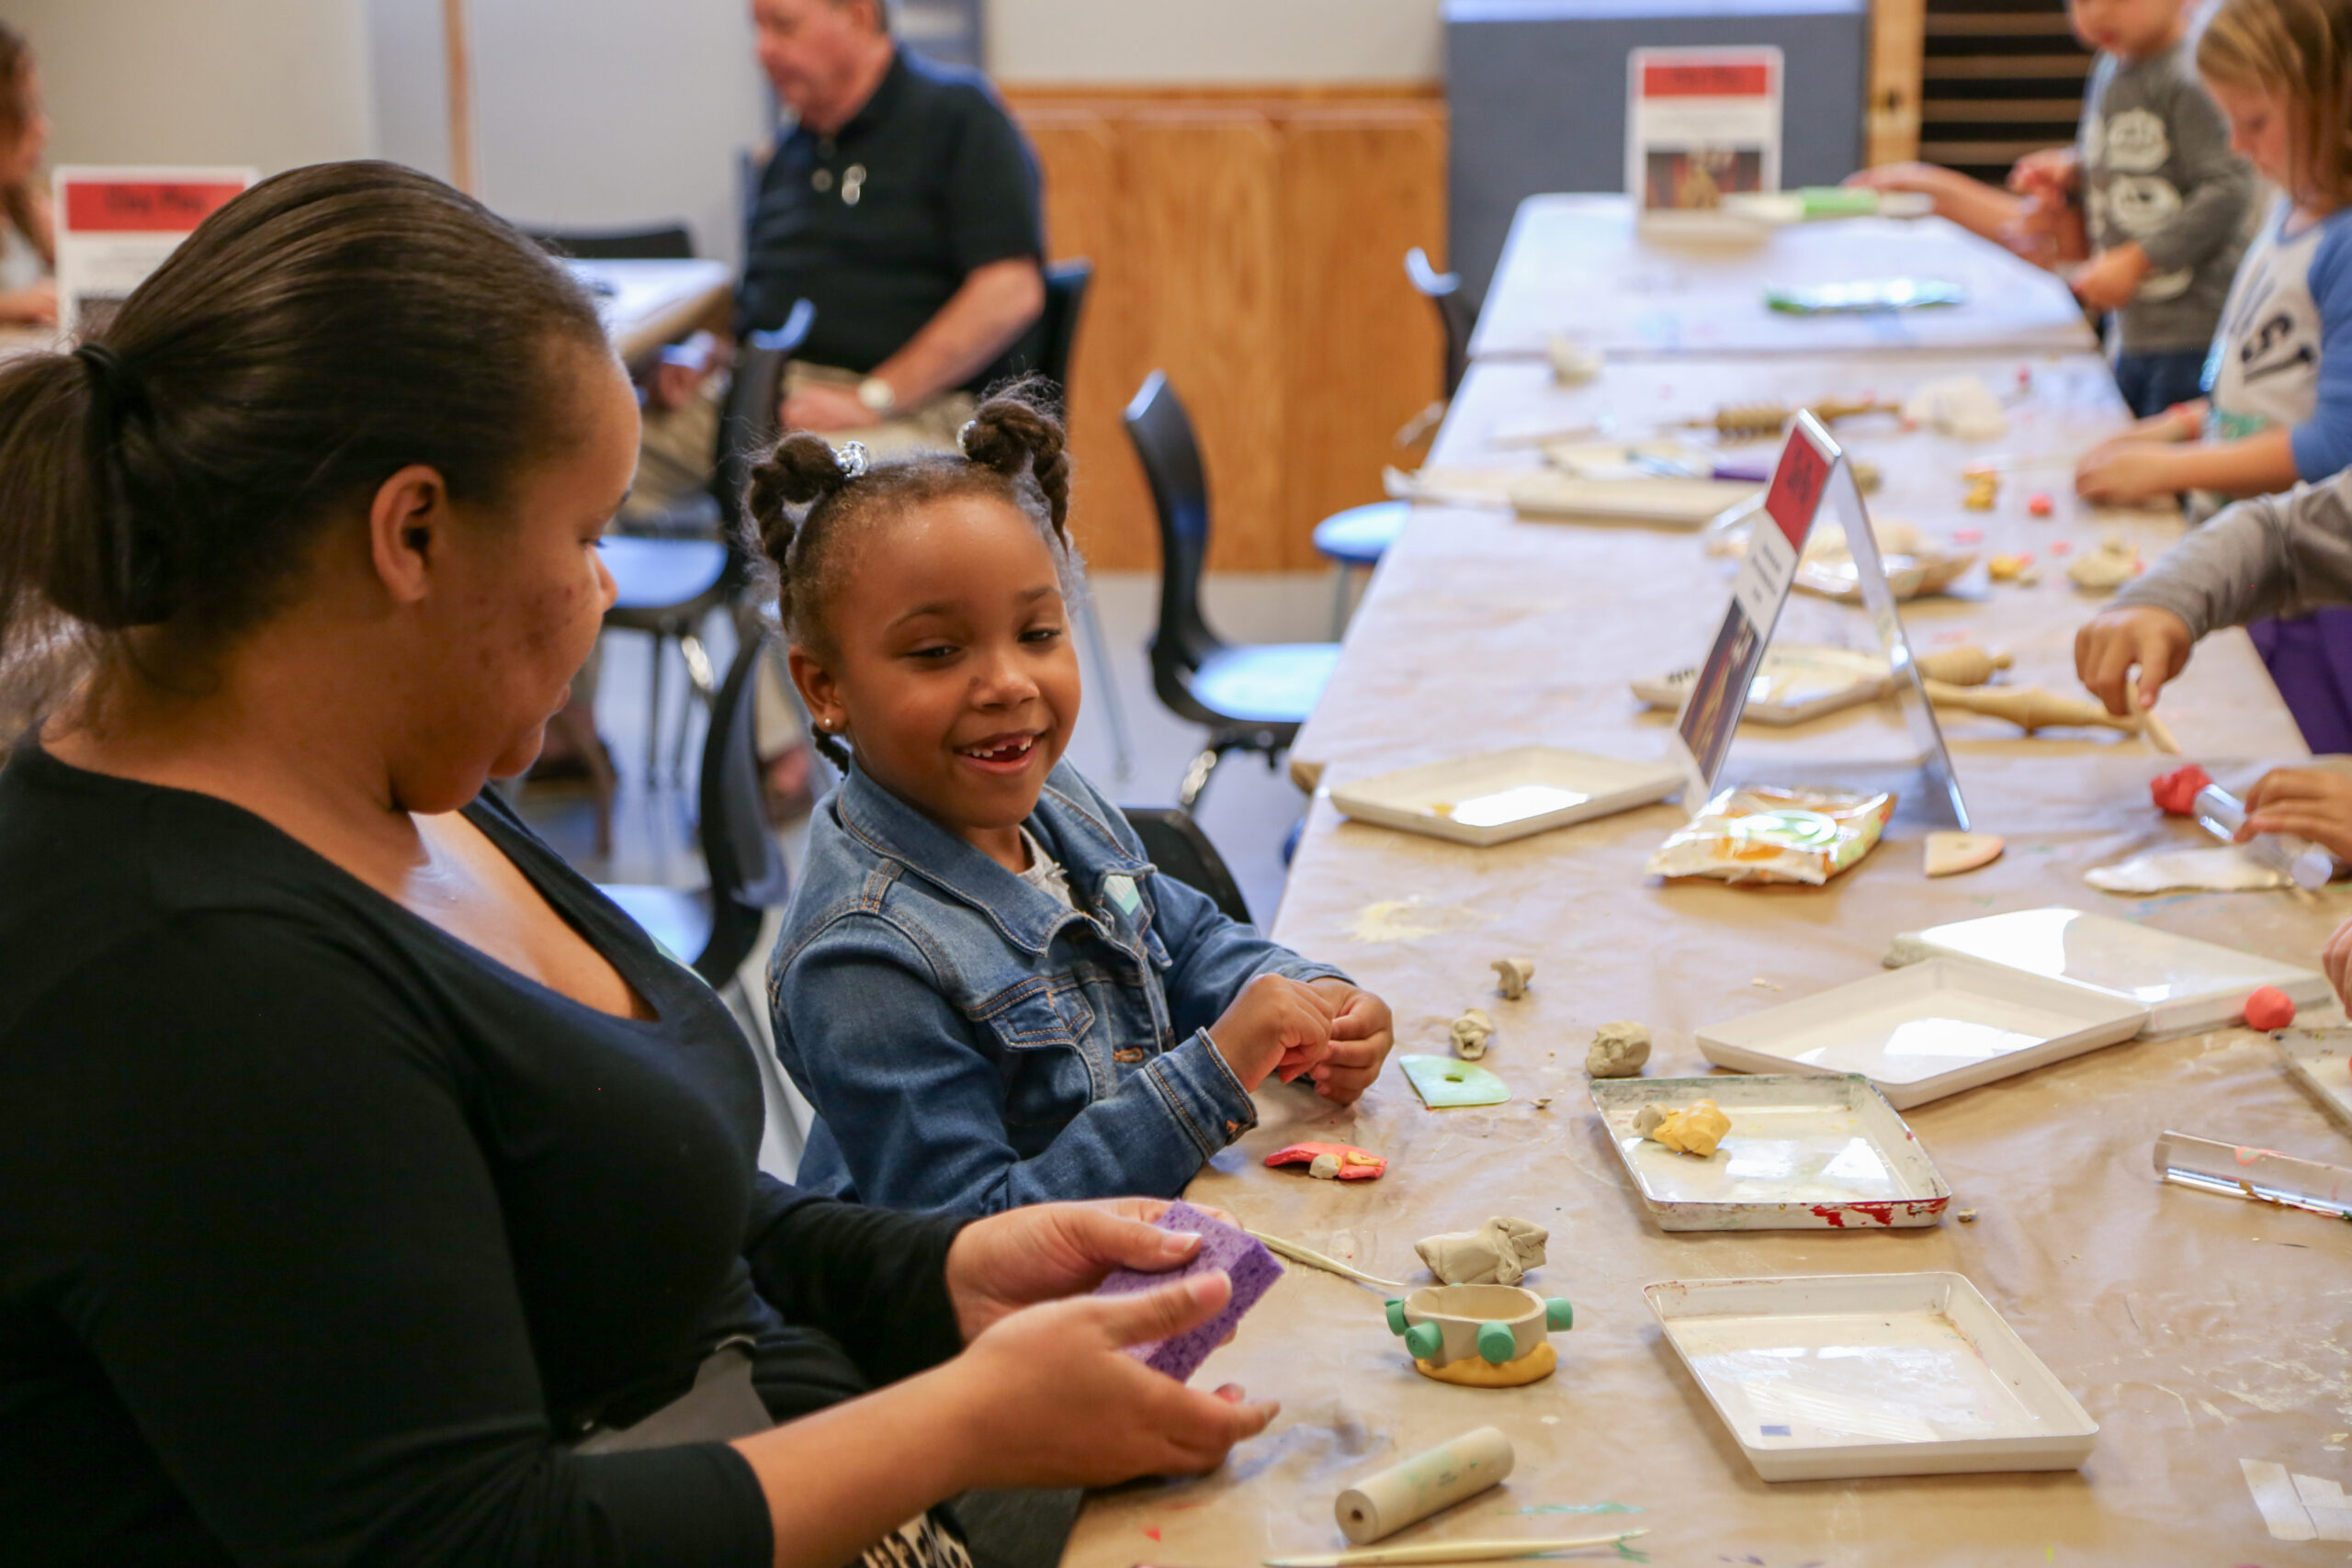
1205, 243
1361, 184
1079, 152
1898, 47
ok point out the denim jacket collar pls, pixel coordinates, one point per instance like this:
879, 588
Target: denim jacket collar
1090, 853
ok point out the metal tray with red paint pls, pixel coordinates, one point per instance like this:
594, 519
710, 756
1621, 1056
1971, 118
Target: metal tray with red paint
1804, 1152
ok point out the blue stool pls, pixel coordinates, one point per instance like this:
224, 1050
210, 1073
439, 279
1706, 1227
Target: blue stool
1356, 537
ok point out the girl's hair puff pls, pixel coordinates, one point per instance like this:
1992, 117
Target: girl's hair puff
807, 515
2301, 49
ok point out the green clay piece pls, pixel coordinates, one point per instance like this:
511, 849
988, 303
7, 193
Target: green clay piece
1838, 201
1445, 1083
1558, 1314
1424, 1340
1496, 1344
1396, 1317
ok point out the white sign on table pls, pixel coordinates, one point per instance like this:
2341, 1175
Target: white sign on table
1813, 471
1701, 124
115, 226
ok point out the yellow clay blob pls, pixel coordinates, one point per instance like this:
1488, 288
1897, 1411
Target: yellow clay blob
1695, 1131
1476, 1372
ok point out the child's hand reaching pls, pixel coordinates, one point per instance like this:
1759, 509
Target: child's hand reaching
2114, 642
1276, 1024
2108, 280
1362, 1032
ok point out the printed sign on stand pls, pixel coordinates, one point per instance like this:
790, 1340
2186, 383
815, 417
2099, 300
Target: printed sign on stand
1701, 124
1813, 472
116, 226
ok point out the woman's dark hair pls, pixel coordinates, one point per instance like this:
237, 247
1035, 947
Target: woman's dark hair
312, 337
805, 510
16, 200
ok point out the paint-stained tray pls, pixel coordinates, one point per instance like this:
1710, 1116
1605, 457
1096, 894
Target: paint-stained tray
1804, 1153
1495, 796
2185, 984
2320, 1060
1870, 1374
1930, 1030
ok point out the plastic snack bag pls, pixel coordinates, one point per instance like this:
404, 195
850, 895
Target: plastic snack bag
1775, 835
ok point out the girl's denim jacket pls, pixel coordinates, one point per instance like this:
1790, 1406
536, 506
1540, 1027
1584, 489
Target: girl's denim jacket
970, 1045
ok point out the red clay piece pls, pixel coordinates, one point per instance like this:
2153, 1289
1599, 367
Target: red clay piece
1354, 1164
2176, 794
2269, 1008
2039, 504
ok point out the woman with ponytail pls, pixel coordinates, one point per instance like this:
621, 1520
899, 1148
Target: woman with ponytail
371, 1190
989, 994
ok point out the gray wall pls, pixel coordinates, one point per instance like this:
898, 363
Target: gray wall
1214, 41
1537, 91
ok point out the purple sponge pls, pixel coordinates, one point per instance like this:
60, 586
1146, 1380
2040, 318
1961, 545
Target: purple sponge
1249, 1266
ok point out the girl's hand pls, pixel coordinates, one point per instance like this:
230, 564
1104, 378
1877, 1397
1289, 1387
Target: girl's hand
998, 1264
1049, 1397
36, 303
1362, 1033
2310, 803
2125, 471
2113, 641
2049, 173
2337, 961
1276, 1024
2110, 279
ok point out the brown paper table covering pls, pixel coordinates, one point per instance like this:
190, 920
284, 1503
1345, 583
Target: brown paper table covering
2196, 1330
1573, 264
1481, 630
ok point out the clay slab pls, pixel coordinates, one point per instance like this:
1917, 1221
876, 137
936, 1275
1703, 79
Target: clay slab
1928, 1030
1870, 1374
1804, 1153
1495, 796
2320, 1060
2185, 984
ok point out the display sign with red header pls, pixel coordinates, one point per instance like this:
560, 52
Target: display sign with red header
1701, 124
115, 225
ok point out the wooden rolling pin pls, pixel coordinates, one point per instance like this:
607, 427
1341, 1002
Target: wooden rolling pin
2032, 709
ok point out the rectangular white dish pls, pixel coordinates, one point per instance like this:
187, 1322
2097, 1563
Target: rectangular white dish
1495, 796
2320, 1060
1804, 1153
2185, 984
1797, 683
1870, 1374
1927, 1030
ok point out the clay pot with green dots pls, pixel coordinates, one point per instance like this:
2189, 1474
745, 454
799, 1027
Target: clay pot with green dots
1481, 1336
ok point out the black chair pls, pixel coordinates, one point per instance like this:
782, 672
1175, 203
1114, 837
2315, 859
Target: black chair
1252, 697
669, 242
716, 932
1174, 842
1455, 315
669, 583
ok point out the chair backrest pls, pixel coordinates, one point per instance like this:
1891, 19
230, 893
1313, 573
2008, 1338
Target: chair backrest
671, 242
749, 425
1454, 317
1066, 285
747, 870
1176, 844
1162, 433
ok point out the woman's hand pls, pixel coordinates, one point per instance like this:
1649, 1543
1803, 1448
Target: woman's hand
1016, 1260
2111, 642
1362, 1033
1050, 1398
2310, 803
2123, 470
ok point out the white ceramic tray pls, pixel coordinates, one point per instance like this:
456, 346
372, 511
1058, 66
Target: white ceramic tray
2320, 1060
2185, 984
1927, 1030
1870, 1374
1795, 683
1804, 1153
1495, 796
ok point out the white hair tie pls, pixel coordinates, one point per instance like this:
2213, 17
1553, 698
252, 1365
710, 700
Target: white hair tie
851, 459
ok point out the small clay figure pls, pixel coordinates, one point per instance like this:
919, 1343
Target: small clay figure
1697, 1129
1470, 1032
1499, 1252
1646, 1120
1346, 1162
1618, 1051
2107, 567
1512, 975
2007, 568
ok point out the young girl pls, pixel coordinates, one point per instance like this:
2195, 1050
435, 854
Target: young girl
27, 292
987, 992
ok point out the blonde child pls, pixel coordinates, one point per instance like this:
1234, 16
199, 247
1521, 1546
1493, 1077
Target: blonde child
986, 990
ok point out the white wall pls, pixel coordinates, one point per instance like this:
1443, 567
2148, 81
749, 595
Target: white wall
271, 82
1214, 40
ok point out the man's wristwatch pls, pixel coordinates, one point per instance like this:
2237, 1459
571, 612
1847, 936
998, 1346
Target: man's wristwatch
874, 393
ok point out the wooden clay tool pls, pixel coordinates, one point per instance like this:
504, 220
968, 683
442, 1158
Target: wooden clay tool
2032, 709
1405, 1494
1762, 420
